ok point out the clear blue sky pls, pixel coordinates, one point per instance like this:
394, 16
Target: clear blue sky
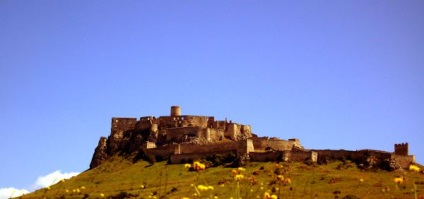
335, 74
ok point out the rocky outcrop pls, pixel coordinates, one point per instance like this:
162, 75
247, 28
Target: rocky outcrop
100, 154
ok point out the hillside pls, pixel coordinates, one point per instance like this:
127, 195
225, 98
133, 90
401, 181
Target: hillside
120, 177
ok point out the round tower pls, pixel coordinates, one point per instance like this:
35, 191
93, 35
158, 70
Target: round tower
175, 111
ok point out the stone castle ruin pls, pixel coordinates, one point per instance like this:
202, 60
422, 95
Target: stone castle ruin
180, 138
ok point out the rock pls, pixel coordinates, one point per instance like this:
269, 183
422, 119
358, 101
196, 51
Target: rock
100, 154
394, 165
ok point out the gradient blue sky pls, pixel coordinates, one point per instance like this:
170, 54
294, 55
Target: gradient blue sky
335, 74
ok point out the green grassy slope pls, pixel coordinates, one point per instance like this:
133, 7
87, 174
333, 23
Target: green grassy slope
118, 177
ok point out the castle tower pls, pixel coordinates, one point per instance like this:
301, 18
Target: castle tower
175, 111
401, 149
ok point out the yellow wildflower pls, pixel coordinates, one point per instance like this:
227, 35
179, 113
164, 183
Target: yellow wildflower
198, 166
210, 187
185, 198
238, 177
82, 187
414, 168
102, 195
187, 166
202, 187
267, 195
241, 169
67, 191
273, 196
142, 186
361, 180
398, 180
77, 190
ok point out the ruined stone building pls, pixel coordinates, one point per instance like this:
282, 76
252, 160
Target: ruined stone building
180, 138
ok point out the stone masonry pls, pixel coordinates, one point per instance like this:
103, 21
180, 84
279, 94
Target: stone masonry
180, 137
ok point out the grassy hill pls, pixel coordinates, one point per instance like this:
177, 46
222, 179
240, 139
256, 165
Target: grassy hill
119, 177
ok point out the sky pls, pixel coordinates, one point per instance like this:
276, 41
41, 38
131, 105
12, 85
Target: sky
335, 74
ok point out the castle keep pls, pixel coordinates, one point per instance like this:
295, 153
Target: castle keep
180, 138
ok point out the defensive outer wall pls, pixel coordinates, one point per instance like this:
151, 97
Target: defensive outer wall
181, 138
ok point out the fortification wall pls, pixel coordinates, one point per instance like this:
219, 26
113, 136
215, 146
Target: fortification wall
261, 144
184, 121
162, 151
145, 123
208, 148
123, 124
183, 158
247, 130
233, 130
403, 160
179, 134
352, 155
263, 156
220, 125
216, 134
296, 156
301, 156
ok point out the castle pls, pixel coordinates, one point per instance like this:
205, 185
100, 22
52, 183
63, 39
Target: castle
180, 138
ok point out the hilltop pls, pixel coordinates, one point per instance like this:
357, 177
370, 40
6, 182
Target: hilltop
159, 157
120, 177
181, 138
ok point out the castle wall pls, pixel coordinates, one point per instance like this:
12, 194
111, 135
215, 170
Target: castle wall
263, 156
179, 134
184, 121
296, 156
123, 124
246, 129
145, 123
352, 155
162, 151
220, 125
403, 160
301, 156
216, 134
261, 144
209, 148
183, 158
233, 130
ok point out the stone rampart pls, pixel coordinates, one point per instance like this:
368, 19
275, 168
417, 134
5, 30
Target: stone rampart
123, 124
145, 123
220, 125
163, 151
301, 156
264, 156
208, 148
182, 133
366, 157
403, 160
184, 121
261, 144
183, 158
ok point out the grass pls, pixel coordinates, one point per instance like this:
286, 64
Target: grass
119, 177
